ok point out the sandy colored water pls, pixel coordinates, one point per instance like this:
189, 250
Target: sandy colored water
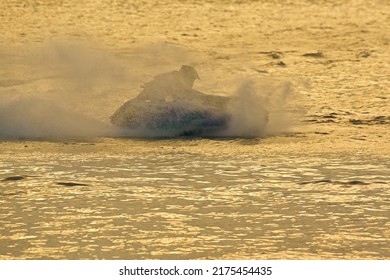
319, 189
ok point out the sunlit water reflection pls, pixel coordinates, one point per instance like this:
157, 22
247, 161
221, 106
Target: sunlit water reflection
187, 204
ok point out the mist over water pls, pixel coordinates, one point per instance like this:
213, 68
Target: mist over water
259, 109
70, 90
37, 118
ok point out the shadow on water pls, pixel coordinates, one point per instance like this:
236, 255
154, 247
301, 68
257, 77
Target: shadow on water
71, 184
14, 178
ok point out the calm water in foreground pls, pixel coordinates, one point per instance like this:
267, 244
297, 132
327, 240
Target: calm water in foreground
189, 198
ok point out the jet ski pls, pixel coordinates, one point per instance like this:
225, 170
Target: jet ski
168, 105
181, 117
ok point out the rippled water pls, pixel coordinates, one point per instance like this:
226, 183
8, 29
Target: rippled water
318, 190
166, 203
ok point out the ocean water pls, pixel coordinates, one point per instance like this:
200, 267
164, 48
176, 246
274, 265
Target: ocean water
315, 184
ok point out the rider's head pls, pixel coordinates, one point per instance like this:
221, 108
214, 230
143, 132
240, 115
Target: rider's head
189, 75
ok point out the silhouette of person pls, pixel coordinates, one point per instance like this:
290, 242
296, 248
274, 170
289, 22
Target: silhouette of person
170, 86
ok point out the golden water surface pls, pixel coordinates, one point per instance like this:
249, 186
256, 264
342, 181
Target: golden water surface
320, 190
